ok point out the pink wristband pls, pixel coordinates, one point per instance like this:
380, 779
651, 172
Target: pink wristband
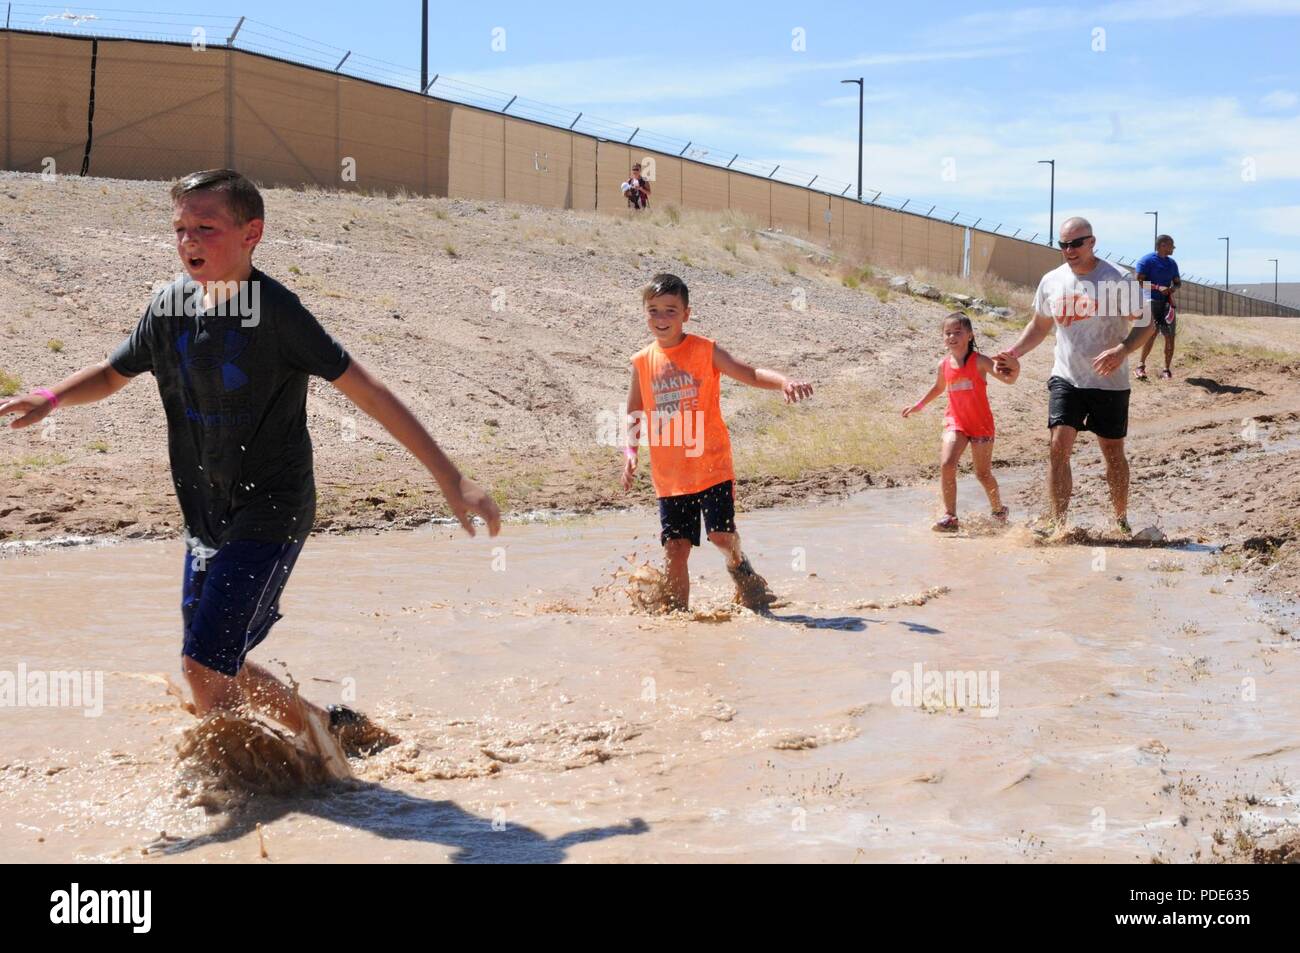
48, 395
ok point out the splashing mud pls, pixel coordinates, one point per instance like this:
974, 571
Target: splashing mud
228, 756
913, 599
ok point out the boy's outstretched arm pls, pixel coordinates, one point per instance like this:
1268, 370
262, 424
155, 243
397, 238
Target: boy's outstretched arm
794, 391
634, 407
935, 390
463, 495
84, 387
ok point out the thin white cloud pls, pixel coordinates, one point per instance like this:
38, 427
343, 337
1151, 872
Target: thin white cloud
1280, 99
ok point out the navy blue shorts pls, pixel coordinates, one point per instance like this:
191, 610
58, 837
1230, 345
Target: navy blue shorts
679, 516
230, 601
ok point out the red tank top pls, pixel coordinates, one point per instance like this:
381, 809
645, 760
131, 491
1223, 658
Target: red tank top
968, 399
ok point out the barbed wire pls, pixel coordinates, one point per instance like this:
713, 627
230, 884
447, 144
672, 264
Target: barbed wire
256, 36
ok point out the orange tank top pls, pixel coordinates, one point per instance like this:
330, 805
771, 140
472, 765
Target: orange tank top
690, 449
968, 398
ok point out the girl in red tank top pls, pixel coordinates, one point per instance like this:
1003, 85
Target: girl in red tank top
969, 421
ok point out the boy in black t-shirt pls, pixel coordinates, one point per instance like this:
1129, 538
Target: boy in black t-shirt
231, 349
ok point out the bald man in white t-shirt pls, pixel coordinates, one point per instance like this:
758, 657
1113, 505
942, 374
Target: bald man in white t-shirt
1099, 317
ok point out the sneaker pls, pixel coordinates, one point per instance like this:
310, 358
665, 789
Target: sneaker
1122, 527
1166, 374
752, 590
1142, 372
358, 734
948, 524
1001, 515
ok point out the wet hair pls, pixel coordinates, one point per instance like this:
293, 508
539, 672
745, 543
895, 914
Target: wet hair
242, 197
965, 323
666, 284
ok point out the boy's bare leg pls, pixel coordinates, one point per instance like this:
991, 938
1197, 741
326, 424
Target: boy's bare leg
676, 553
1060, 482
982, 456
254, 686
729, 543
954, 444
1116, 474
1169, 350
1146, 348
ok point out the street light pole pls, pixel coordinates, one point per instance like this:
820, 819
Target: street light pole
1155, 233
424, 47
1274, 261
861, 97
1051, 209
1226, 249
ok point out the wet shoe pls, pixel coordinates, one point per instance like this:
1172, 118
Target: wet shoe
752, 591
1142, 372
948, 524
358, 734
1166, 375
1001, 515
1122, 527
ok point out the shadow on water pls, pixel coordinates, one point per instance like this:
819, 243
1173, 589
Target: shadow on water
842, 623
395, 815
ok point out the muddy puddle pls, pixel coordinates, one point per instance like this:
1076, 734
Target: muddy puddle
912, 698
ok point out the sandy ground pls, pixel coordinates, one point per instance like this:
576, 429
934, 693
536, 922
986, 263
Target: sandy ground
507, 329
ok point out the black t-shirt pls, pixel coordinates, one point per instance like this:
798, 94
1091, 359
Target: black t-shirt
233, 381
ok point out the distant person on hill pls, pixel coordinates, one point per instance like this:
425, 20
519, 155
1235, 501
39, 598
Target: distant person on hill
637, 189
232, 351
1158, 273
673, 403
1099, 318
969, 419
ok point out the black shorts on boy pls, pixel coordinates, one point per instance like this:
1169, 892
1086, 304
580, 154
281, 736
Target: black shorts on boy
679, 516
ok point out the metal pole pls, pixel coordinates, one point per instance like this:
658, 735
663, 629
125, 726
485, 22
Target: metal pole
575, 121
1274, 261
229, 40
1051, 208
511, 103
1226, 249
861, 113
431, 82
684, 148
424, 45
342, 61
633, 136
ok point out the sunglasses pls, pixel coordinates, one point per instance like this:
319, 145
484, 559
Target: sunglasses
1077, 243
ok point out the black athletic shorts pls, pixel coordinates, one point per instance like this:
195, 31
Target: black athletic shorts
679, 516
1104, 412
1160, 317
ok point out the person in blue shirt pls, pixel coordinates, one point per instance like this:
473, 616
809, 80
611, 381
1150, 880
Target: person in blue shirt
1158, 274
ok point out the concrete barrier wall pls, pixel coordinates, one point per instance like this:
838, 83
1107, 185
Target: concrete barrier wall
163, 109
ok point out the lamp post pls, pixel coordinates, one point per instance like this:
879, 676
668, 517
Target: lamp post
1274, 261
1226, 249
1155, 232
1051, 208
860, 114
424, 47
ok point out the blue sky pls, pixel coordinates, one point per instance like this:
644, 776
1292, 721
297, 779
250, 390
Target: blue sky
1189, 108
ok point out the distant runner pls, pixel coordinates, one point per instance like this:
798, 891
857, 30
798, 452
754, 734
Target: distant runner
1158, 274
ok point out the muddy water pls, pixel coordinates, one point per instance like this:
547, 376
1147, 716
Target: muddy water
1131, 705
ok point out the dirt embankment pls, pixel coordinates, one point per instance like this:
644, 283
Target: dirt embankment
507, 329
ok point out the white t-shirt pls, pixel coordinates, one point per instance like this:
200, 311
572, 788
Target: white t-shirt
1093, 313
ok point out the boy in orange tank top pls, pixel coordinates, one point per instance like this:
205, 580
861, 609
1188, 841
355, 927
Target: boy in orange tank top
673, 405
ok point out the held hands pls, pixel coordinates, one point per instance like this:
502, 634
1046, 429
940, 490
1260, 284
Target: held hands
1006, 363
30, 408
468, 499
1109, 360
796, 391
